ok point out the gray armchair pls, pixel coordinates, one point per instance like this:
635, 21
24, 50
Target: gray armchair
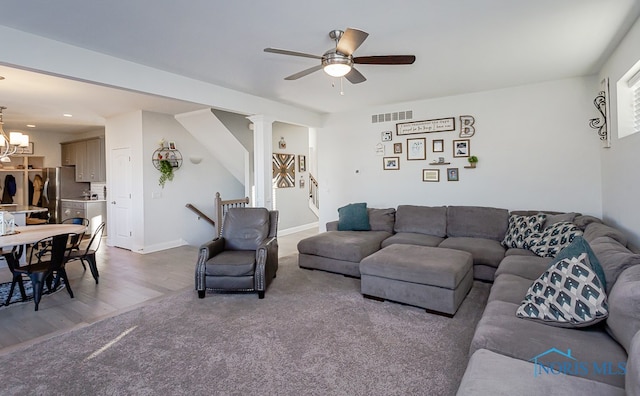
244, 257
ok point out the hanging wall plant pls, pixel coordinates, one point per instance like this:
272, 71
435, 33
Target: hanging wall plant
166, 172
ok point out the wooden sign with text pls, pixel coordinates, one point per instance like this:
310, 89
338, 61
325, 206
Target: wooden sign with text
426, 126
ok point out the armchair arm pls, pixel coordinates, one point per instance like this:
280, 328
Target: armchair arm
207, 251
266, 263
211, 249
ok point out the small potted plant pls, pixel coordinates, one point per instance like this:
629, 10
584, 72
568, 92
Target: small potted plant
472, 161
166, 172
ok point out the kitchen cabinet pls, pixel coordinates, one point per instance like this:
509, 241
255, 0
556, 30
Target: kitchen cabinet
23, 169
68, 154
95, 211
88, 157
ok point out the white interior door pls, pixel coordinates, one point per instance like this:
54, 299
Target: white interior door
121, 198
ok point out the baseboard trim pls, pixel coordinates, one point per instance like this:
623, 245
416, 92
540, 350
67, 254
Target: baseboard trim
293, 230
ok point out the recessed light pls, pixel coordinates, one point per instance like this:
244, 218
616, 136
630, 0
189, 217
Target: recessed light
30, 126
68, 115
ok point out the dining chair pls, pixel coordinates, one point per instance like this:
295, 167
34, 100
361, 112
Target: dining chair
42, 268
88, 253
74, 244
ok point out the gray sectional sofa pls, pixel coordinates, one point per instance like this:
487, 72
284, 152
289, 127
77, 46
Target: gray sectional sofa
511, 355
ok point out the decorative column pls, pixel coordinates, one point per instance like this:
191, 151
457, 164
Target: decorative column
262, 153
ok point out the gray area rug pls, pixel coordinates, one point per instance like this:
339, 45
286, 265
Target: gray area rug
312, 334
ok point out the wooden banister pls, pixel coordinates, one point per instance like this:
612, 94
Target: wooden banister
201, 215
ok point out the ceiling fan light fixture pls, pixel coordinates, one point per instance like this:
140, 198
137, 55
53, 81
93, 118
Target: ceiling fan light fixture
337, 70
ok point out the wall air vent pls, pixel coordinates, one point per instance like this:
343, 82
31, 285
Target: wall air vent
387, 117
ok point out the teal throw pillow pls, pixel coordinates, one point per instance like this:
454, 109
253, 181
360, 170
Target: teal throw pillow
578, 246
568, 294
353, 217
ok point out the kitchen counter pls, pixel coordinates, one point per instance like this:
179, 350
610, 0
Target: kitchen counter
20, 212
82, 200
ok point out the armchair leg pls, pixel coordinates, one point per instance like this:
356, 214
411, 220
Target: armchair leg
261, 294
201, 293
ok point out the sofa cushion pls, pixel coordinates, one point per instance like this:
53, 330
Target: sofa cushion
490, 373
520, 252
624, 307
501, 331
553, 239
382, 219
343, 245
509, 288
232, 263
245, 228
568, 294
422, 220
614, 258
529, 267
597, 230
477, 222
559, 217
632, 379
412, 238
520, 227
353, 217
484, 251
582, 221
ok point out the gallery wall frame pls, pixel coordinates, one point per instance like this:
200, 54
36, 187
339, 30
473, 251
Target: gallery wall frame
431, 175
452, 174
461, 148
391, 163
416, 149
426, 126
438, 145
397, 148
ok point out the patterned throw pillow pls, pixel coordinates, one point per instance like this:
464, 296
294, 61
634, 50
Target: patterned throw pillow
520, 227
552, 239
568, 294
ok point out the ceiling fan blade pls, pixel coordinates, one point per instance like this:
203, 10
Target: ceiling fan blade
304, 73
355, 77
350, 41
385, 60
292, 53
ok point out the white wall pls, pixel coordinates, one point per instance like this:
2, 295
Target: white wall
620, 180
167, 222
293, 203
533, 142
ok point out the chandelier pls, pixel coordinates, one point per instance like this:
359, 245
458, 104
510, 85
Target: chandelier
9, 144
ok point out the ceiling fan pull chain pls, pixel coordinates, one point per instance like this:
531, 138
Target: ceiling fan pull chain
341, 86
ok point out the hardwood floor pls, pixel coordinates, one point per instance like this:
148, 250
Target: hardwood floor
127, 280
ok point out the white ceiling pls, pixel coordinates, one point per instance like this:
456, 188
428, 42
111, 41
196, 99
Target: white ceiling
461, 46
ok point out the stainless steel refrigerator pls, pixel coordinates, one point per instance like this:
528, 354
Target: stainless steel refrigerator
60, 183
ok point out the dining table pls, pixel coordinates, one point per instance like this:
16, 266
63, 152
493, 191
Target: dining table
13, 245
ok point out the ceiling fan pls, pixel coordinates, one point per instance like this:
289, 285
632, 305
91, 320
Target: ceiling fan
339, 61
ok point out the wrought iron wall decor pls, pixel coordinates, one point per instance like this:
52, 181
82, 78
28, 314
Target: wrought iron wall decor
601, 124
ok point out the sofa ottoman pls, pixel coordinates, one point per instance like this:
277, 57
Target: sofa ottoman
433, 278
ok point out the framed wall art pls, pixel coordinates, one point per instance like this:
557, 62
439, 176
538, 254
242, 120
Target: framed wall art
452, 174
397, 148
431, 175
416, 149
284, 170
438, 146
426, 126
461, 148
387, 136
391, 163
